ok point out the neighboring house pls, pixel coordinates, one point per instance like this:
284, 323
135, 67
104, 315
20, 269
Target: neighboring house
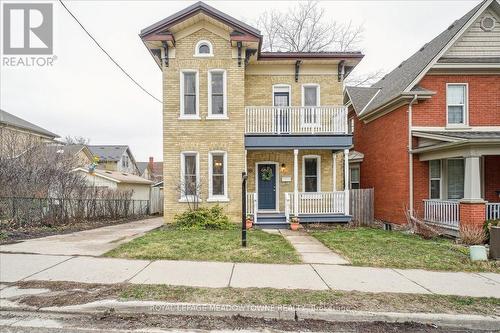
427, 135
115, 158
151, 170
231, 108
17, 134
116, 180
81, 152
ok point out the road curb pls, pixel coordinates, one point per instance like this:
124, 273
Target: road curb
476, 322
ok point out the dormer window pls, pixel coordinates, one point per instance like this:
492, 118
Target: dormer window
203, 49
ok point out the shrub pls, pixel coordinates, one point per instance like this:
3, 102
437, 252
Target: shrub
488, 224
203, 218
472, 234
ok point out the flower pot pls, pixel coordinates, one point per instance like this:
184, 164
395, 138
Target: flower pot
478, 253
249, 224
294, 226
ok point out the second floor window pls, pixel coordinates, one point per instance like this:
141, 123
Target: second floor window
456, 103
217, 93
310, 98
189, 94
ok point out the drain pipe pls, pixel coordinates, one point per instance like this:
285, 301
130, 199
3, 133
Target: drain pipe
410, 155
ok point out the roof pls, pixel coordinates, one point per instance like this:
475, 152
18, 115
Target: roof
463, 135
108, 152
118, 177
400, 78
310, 55
356, 156
142, 166
195, 9
11, 120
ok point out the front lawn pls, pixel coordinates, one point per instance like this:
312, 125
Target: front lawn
208, 245
379, 248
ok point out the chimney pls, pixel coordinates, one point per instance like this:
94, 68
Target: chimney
151, 163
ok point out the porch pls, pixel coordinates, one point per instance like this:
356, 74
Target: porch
463, 178
307, 184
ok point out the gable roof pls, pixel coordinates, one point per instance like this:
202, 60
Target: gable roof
195, 9
400, 79
11, 120
142, 166
109, 153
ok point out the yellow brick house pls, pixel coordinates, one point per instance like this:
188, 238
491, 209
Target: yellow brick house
231, 108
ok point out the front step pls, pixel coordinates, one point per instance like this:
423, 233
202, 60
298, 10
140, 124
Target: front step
271, 221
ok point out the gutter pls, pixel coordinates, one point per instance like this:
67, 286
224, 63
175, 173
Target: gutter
410, 154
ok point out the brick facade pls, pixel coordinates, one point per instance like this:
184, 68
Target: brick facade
204, 135
472, 213
484, 97
492, 178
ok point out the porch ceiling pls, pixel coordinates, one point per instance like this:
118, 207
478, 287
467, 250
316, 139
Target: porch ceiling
281, 142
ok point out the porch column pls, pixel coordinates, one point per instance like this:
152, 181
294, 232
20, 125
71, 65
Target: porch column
346, 181
334, 170
296, 181
472, 206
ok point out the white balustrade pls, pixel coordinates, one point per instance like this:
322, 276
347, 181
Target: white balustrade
295, 120
444, 213
316, 203
493, 211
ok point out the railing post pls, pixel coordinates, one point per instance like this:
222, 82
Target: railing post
296, 182
287, 207
346, 181
255, 206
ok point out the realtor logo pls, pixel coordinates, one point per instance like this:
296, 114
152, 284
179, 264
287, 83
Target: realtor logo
27, 28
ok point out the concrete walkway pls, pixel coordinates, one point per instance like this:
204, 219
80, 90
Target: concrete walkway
16, 267
310, 249
92, 242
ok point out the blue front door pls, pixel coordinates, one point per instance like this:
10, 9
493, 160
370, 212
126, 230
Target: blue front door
266, 178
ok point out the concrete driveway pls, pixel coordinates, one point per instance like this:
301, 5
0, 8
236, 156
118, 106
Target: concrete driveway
94, 242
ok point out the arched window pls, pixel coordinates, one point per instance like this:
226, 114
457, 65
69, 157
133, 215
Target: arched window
203, 49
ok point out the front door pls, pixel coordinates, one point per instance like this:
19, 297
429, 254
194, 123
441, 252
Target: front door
266, 186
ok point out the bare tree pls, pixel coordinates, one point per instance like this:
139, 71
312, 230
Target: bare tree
190, 191
364, 79
305, 28
76, 140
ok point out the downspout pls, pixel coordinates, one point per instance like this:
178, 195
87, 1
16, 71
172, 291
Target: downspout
410, 148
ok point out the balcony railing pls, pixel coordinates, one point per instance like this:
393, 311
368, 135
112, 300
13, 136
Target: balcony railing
296, 120
443, 213
493, 211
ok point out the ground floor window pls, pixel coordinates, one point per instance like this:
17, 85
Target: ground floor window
217, 175
435, 179
311, 172
189, 174
456, 174
354, 177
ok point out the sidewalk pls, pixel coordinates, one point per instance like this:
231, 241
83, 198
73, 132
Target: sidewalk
17, 267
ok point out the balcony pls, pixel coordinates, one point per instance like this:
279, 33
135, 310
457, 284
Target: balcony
272, 127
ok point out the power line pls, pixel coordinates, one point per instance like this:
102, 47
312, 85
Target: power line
109, 56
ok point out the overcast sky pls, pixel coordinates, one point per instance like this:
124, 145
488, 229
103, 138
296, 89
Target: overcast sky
84, 94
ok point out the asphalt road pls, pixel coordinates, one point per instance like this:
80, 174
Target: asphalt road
43, 322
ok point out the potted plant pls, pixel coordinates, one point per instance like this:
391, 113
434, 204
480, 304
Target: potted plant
249, 221
294, 223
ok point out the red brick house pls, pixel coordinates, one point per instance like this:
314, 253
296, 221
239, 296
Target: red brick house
427, 135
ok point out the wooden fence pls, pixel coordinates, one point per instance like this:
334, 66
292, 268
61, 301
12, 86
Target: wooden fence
361, 206
156, 200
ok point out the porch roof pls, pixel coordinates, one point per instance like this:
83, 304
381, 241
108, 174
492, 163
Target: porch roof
280, 142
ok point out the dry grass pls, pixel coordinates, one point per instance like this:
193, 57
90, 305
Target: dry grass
472, 234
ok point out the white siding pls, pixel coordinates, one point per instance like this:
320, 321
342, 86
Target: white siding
475, 42
141, 191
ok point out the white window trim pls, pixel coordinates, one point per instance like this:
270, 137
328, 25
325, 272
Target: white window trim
440, 180
318, 103
181, 95
318, 172
197, 54
282, 86
185, 198
466, 106
211, 197
318, 93
354, 166
224, 91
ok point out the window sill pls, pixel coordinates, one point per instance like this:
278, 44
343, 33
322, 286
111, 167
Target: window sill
217, 118
185, 199
189, 118
457, 127
218, 199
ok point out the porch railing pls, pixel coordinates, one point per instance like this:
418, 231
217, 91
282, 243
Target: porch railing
493, 211
252, 205
295, 120
315, 203
444, 213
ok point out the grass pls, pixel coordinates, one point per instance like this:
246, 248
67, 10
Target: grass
339, 300
208, 245
379, 248
70, 293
